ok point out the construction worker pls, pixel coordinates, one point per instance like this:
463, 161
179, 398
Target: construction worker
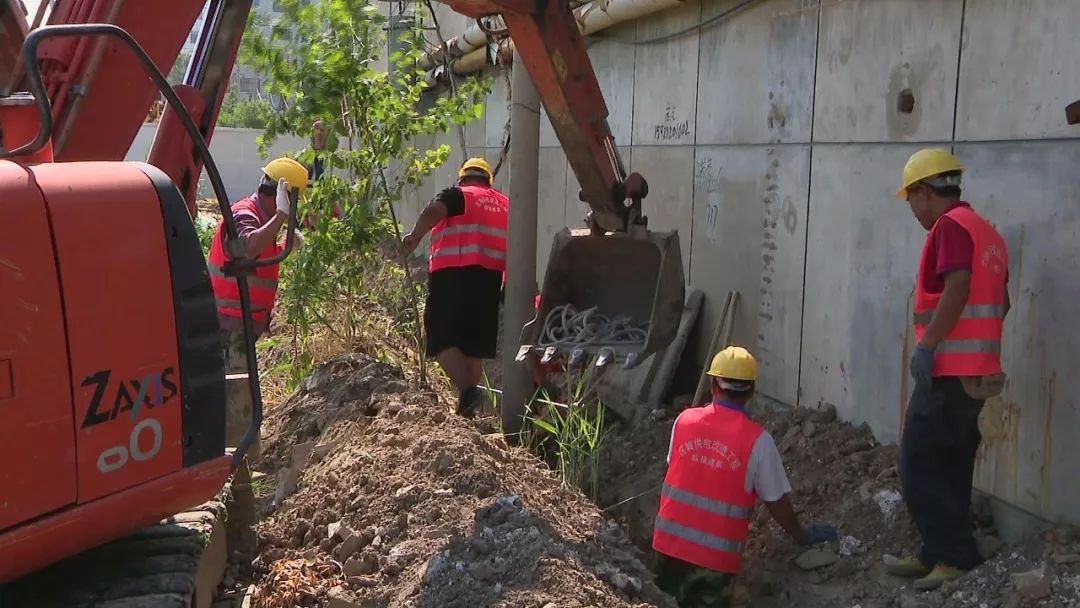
719, 463
961, 300
258, 220
467, 263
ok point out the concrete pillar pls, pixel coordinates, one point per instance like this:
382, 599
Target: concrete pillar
521, 257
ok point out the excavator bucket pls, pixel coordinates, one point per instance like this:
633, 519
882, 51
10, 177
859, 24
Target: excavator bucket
607, 299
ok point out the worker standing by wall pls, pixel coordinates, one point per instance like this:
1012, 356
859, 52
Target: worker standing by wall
961, 300
258, 219
719, 463
467, 263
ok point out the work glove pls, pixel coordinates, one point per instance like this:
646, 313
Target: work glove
283, 203
922, 366
818, 533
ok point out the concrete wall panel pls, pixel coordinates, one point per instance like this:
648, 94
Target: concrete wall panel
665, 87
614, 65
872, 50
1018, 71
863, 248
756, 78
669, 206
750, 236
1031, 192
551, 213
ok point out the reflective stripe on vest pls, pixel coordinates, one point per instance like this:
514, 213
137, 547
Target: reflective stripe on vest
698, 537
477, 237
262, 283
973, 346
253, 281
705, 509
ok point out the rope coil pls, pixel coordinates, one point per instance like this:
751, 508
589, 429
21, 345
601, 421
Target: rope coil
567, 327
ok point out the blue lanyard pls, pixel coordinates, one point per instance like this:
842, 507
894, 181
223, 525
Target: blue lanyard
729, 405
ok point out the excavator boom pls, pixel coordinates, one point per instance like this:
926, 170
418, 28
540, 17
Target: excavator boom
632, 279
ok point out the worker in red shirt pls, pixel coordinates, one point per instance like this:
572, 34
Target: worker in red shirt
259, 219
719, 463
961, 299
467, 264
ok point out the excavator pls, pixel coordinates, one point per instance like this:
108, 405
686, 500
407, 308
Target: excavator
112, 380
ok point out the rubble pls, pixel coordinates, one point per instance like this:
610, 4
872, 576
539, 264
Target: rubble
839, 475
415, 508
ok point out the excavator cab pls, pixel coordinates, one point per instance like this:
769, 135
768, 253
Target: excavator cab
615, 298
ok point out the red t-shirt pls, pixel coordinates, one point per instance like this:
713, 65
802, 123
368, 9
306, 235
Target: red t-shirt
951, 249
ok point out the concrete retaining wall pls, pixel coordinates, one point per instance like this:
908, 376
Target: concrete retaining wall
773, 143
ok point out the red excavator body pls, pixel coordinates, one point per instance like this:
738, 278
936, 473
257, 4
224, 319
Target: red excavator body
112, 378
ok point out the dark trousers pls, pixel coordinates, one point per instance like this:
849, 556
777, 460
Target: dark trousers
692, 586
937, 462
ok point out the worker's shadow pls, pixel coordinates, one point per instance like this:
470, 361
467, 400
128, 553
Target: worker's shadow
511, 549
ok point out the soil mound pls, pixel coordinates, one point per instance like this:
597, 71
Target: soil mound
400, 503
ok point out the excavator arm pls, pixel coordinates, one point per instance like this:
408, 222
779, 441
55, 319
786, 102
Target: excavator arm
619, 271
552, 48
99, 96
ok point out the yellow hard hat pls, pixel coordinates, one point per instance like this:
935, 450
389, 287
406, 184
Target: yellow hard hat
925, 163
734, 363
475, 163
287, 168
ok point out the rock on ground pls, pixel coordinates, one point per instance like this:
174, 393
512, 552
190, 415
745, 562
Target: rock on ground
414, 508
839, 475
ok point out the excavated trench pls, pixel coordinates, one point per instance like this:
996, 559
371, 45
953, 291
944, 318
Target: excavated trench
377, 495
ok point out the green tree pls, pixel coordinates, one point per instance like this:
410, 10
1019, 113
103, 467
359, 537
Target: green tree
320, 58
244, 113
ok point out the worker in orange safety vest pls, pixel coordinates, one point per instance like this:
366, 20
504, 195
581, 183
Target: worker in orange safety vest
719, 463
258, 219
961, 299
466, 266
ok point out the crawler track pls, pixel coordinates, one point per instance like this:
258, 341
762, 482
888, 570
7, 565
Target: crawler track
176, 564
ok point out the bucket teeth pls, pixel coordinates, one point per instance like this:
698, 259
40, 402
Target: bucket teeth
522, 352
576, 357
606, 356
632, 361
549, 354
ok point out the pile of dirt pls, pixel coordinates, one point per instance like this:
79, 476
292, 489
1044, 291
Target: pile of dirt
839, 475
400, 503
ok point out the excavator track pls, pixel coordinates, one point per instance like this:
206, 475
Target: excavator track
175, 564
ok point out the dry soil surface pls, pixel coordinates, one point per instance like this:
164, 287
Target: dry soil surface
841, 475
400, 503
384, 498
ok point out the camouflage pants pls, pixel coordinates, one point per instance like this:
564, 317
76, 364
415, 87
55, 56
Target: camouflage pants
238, 404
694, 587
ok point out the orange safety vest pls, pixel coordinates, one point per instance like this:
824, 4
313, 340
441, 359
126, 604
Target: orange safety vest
973, 346
705, 509
474, 238
262, 284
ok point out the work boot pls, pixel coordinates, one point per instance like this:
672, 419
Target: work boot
909, 567
938, 577
471, 400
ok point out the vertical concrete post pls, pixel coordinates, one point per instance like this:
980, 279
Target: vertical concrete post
521, 241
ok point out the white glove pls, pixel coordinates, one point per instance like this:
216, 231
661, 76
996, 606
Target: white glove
283, 204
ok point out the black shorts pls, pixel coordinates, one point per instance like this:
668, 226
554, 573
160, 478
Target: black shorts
463, 311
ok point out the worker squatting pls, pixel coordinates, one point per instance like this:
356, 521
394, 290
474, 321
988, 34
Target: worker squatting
720, 462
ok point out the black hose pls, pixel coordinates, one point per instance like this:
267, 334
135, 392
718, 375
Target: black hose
45, 128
